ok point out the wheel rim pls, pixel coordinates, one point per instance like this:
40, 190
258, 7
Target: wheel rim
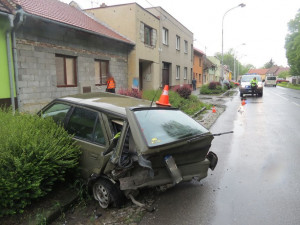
101, 195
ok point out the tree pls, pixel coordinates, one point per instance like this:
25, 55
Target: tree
269, 64
228, 59
284, 74
292, 45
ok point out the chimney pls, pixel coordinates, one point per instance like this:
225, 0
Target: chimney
103, 5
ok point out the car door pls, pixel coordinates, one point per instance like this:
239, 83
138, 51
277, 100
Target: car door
90, 134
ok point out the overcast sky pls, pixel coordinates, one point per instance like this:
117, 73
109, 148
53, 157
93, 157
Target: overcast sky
261, 25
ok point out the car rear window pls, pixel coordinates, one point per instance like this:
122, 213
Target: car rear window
165, 126
271, 78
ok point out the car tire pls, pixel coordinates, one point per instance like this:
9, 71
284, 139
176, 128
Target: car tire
107, 193
241, 95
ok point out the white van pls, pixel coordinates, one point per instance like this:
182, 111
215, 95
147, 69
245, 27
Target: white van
271, 81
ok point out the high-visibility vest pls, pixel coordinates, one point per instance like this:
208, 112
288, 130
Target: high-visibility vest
111, 83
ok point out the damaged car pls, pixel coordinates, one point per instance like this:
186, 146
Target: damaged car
128, 144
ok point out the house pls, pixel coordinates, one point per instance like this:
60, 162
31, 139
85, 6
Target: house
209, 71
142, 27
7, 77
176, 49
215, 69
60, 50
275, 70
261, 72
198, 67
164, 47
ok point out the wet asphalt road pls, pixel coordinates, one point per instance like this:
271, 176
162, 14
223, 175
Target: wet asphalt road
257, 179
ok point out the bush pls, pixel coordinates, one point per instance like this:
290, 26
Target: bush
132, 93
34, 154
184, 91
207, 91
213, 85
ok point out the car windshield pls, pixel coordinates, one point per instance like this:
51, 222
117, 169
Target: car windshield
271, 78
165, 126
249, 78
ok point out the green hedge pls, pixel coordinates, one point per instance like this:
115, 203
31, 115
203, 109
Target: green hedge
34, 153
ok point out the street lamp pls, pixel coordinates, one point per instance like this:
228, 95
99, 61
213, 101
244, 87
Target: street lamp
222, 69
239, 64
234, 72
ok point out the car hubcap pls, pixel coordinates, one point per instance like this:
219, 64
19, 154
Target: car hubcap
101, 194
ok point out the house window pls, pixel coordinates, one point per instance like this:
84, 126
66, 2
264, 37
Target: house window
177, 72
185, 47
66, 71
200, 62
147, 33
185, 73
165, 36
101, 72
177, 42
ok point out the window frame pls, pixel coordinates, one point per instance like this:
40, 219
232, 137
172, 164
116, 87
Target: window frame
177, 72
185, 73
102, 81
186, 46
150, 35
177, 42
165, 36
65, 57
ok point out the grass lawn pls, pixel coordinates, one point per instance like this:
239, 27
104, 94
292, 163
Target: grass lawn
289, 85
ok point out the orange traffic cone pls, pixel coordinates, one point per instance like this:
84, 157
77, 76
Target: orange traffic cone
164, 98
214, 109
243, 102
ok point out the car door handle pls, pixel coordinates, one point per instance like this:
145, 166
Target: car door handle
94, 156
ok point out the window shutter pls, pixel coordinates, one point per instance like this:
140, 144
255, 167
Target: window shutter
142, 32
154, 37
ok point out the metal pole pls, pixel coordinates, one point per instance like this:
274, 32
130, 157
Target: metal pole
222, 62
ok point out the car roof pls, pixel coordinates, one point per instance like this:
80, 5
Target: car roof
106, 101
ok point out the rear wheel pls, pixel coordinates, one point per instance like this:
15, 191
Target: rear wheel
107, 193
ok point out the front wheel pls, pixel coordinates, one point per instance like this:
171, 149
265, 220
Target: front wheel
107, 193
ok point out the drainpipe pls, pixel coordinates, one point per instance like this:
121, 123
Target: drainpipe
17, 22
8, 50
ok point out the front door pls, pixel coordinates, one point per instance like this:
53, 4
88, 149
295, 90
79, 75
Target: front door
165, 74
140, 76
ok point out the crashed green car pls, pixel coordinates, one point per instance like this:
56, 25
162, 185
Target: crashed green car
127, 144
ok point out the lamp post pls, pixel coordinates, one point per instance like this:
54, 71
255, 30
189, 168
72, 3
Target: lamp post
239, 64
234, 72
222, 69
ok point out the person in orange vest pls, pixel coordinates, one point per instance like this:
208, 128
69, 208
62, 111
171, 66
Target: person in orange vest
111, 84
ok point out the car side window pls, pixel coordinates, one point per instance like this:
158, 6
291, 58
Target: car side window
82, 123
57, 111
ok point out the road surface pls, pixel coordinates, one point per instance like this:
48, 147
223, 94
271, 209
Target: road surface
257, 179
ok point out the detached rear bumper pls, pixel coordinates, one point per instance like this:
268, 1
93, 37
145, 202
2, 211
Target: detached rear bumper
140, 177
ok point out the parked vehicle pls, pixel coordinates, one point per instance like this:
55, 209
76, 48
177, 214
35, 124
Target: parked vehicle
271, 81
127, 144
280, 80
245, 86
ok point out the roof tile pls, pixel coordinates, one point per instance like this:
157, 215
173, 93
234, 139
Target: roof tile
64, 13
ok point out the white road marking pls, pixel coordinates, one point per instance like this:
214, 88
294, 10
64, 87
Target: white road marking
285, 99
